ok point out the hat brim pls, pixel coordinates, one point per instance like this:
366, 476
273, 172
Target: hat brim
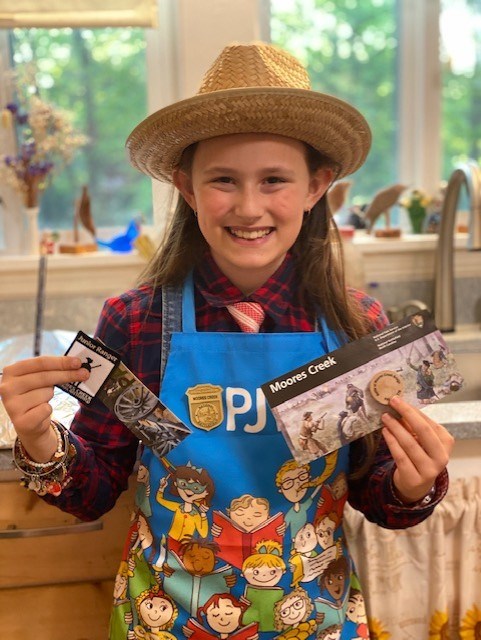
328, 124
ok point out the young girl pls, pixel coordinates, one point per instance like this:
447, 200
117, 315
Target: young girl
252, 156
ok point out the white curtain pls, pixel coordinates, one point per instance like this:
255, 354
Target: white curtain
78, 13
423, 583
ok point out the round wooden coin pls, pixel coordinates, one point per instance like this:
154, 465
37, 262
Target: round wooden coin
384, 385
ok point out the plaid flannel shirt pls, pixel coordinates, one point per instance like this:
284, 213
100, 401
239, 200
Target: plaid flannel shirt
131, 324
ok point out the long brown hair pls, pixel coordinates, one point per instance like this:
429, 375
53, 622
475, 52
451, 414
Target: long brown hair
318, 257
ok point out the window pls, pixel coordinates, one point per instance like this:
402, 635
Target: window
412, 68
460, 30
100, 76
350, 50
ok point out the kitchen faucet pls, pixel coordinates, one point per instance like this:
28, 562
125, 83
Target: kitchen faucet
468, 174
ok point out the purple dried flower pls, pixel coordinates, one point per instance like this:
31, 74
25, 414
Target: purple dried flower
27, 151
41, 132
39, 168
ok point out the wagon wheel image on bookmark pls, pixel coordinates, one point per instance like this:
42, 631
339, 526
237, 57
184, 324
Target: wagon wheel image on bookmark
135, 403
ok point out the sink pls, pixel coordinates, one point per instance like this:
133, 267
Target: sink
469, 366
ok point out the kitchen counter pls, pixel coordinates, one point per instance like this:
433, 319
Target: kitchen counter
461, 419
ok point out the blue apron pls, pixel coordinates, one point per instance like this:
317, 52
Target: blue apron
231, 537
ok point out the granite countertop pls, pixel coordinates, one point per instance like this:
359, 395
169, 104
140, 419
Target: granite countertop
461, 419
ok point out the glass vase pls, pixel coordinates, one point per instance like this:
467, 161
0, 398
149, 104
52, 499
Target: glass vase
32, 235
417, 216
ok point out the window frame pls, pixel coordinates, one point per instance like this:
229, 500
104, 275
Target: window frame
11, 212
182, 44
420, 95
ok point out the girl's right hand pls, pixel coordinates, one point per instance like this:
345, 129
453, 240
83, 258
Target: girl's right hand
27, 387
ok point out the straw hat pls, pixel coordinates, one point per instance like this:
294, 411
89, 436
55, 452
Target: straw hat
251, 88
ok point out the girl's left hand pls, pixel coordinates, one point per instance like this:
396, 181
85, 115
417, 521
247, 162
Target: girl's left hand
420, 448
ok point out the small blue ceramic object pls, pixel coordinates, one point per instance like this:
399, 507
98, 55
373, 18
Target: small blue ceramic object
123, 243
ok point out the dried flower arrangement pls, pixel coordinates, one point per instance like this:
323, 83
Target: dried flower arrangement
44, 137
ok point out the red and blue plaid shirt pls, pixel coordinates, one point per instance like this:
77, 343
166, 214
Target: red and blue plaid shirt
131, 324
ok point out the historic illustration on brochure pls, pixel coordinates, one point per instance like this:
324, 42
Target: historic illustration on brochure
340, 397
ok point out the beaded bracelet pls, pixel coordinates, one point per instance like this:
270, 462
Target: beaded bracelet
46, 477
26, 464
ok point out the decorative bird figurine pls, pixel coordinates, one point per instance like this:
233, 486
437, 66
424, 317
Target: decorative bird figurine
83, 214
124, 242
381, 204
337, 195
82, 219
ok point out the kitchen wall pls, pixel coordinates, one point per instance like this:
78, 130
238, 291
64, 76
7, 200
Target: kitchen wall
75, 289
75, 313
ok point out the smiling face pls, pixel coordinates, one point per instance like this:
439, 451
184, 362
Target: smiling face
355, 610
250, 192
263, 576
191, 490
335, 584
199, 560
305, 539
120, 586
292, 611
224, 617
250, 516
155, 611
294, 484
325, 532
143, 474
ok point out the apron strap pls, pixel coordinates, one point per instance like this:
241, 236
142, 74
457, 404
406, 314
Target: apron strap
188, 305
171, 320
332, 339
178, 313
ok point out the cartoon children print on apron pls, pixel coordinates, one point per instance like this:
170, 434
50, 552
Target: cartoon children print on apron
231, 537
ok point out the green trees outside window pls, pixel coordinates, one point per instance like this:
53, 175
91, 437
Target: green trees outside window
351, 48
100, 76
